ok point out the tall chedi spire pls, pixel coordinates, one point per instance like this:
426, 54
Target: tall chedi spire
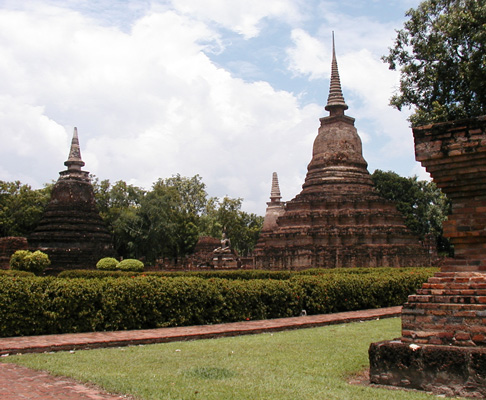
335, 102
74, 161
275, 192
275, 207
338, 219
337, 156
71, 230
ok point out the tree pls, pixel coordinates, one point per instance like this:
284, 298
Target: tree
240, 227
167, 220
21, 207
119, 206
423, 205
442, 55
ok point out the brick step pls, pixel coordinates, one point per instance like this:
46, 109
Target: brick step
442, 308
456, 285
469, 291
421, 298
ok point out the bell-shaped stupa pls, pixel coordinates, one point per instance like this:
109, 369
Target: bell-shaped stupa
338, 219
275, 207
71, 230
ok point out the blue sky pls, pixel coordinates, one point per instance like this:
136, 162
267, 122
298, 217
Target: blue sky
231, 90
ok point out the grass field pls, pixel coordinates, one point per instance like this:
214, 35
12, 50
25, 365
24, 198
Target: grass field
303, 364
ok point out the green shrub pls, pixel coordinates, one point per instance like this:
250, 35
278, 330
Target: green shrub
130, 264
25, 260
22, 302
107, 264
95, 274
17, 259
36, 306
13, 272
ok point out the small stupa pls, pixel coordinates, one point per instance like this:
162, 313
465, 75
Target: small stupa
338, 219
275, 207
71, 230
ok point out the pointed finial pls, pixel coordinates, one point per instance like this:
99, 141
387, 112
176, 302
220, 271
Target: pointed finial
74, 161
335, 102
275, 193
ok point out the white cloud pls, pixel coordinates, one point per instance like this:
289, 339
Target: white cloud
147, 104
241, 16
308, 55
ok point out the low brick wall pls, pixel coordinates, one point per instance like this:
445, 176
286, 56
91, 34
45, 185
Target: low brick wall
8, 246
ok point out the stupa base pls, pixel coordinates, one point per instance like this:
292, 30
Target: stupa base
448, 370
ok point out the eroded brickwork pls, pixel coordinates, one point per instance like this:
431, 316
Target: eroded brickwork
443, 343
451, 307
338, 219
8, 246
71, 230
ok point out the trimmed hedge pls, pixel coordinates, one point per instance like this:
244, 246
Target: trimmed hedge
233, 274
14, 272
131, 264
26, 260
107, 264
34, 305
240, 274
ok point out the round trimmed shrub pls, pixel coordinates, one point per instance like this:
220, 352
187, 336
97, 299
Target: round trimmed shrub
107, 264
17, 259
130, 264
25, 260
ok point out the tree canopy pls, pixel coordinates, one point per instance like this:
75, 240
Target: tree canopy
167, 220
422, 204
21, 207
442, 55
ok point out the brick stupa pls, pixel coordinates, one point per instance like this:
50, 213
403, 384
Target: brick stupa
71, 230
338, 219
443, 343
275, 207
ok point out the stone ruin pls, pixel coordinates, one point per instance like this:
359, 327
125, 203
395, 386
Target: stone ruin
443, 343
209, 253
275, 207
71, 230
338, 219
8, 246
224, 256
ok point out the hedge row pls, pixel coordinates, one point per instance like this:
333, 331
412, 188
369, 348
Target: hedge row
210, 274
34, 306
14, 272
237, 274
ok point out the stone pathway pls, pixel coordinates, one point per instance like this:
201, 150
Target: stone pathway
19, 383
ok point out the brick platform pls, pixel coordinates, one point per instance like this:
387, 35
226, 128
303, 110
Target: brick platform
443, 343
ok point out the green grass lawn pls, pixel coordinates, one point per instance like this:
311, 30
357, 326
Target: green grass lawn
301, 364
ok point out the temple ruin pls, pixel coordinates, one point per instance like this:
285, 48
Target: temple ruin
338, 219
275, 207
71, 230
443, 343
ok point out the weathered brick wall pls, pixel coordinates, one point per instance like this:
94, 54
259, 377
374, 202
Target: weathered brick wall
8, 246
450, 309
455, 156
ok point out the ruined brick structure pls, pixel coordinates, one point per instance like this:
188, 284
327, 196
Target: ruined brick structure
338, 219
275, 207
443, 343
71, 230
8, 246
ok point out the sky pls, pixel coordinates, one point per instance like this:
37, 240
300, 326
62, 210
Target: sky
231, 90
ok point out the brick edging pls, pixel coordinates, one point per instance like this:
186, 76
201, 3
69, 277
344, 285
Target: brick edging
91, 340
